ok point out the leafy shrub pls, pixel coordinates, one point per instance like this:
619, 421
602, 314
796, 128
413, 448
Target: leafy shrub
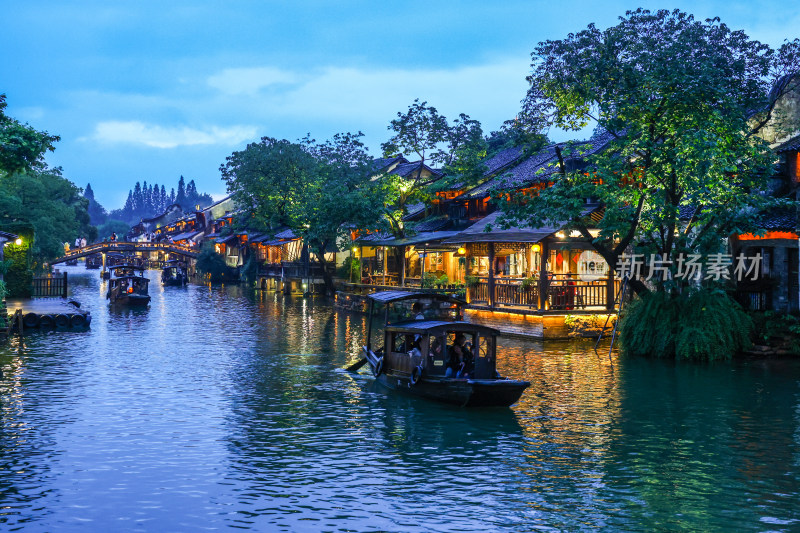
773, 328
428, 280
472, 281
704, 325
444, 280
213, 264
350, 269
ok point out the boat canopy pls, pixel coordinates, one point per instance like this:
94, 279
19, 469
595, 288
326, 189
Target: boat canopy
387, 297
434, 326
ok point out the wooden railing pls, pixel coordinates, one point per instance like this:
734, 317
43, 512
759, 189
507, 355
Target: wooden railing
293, 269
50, 285
118, 246
562, 293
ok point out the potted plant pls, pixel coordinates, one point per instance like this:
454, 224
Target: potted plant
471, 281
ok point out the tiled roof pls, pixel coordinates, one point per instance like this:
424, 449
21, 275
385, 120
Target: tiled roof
432, 224
380, 164
791, 145
285, 234
414, 209
534, 168
541, 165
502, 159
407, 169
779, 219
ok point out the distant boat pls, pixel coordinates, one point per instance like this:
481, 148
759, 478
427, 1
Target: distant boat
429, 351
94, 261
174, 274
128, 286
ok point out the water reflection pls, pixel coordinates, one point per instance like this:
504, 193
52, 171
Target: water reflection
218, 407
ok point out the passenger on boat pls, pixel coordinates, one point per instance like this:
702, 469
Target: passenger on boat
460, 364
416, 310
416, 349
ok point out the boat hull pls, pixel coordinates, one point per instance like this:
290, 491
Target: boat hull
132, 300
462, 392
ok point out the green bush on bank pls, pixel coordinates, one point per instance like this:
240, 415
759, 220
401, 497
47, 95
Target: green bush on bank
213, 265
776, 329
706, 324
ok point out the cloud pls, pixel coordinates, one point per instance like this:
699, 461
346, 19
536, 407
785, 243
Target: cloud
240, 81
154, 136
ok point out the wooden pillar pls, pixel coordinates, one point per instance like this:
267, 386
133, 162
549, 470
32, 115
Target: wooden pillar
490, 288
402, 250
611, 295
544, 282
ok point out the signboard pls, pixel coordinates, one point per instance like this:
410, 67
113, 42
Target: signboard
592, 266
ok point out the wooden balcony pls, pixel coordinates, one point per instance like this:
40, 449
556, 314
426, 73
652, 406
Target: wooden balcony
563, 293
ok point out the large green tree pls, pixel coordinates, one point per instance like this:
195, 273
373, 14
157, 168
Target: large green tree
22, 147
424, 133
35, 195
676, 97
319, 190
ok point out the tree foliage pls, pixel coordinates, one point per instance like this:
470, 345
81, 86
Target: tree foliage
319, 190
423, 132
148, 201
703, 325
22, 148
674, 98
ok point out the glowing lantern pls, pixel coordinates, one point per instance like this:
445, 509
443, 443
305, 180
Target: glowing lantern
462, 250
537, 248
130, 290
18, 242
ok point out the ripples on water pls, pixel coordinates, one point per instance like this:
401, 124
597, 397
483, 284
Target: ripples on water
215, 409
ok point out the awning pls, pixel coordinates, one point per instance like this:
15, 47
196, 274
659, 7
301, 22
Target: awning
477, 232
421, 238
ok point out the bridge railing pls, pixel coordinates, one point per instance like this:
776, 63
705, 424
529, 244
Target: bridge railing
125, 246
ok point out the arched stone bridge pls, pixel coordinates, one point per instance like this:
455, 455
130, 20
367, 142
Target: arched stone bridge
105, 247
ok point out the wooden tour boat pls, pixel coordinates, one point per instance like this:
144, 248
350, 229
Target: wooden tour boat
429, 351
174, 273
128, 286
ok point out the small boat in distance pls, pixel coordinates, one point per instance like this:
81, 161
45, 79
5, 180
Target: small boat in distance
94, 261
429, 351
128, 286
174, 273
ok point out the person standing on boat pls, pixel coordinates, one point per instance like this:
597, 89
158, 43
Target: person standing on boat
416, 346
460, 364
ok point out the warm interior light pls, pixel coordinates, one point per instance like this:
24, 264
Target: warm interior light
18, 242
560, 234
130, 290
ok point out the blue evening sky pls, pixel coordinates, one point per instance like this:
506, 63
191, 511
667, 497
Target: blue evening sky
150, 90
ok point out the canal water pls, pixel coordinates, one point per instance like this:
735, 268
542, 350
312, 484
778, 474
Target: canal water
216, 408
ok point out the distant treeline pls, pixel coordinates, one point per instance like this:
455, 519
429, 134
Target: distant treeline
146, 201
